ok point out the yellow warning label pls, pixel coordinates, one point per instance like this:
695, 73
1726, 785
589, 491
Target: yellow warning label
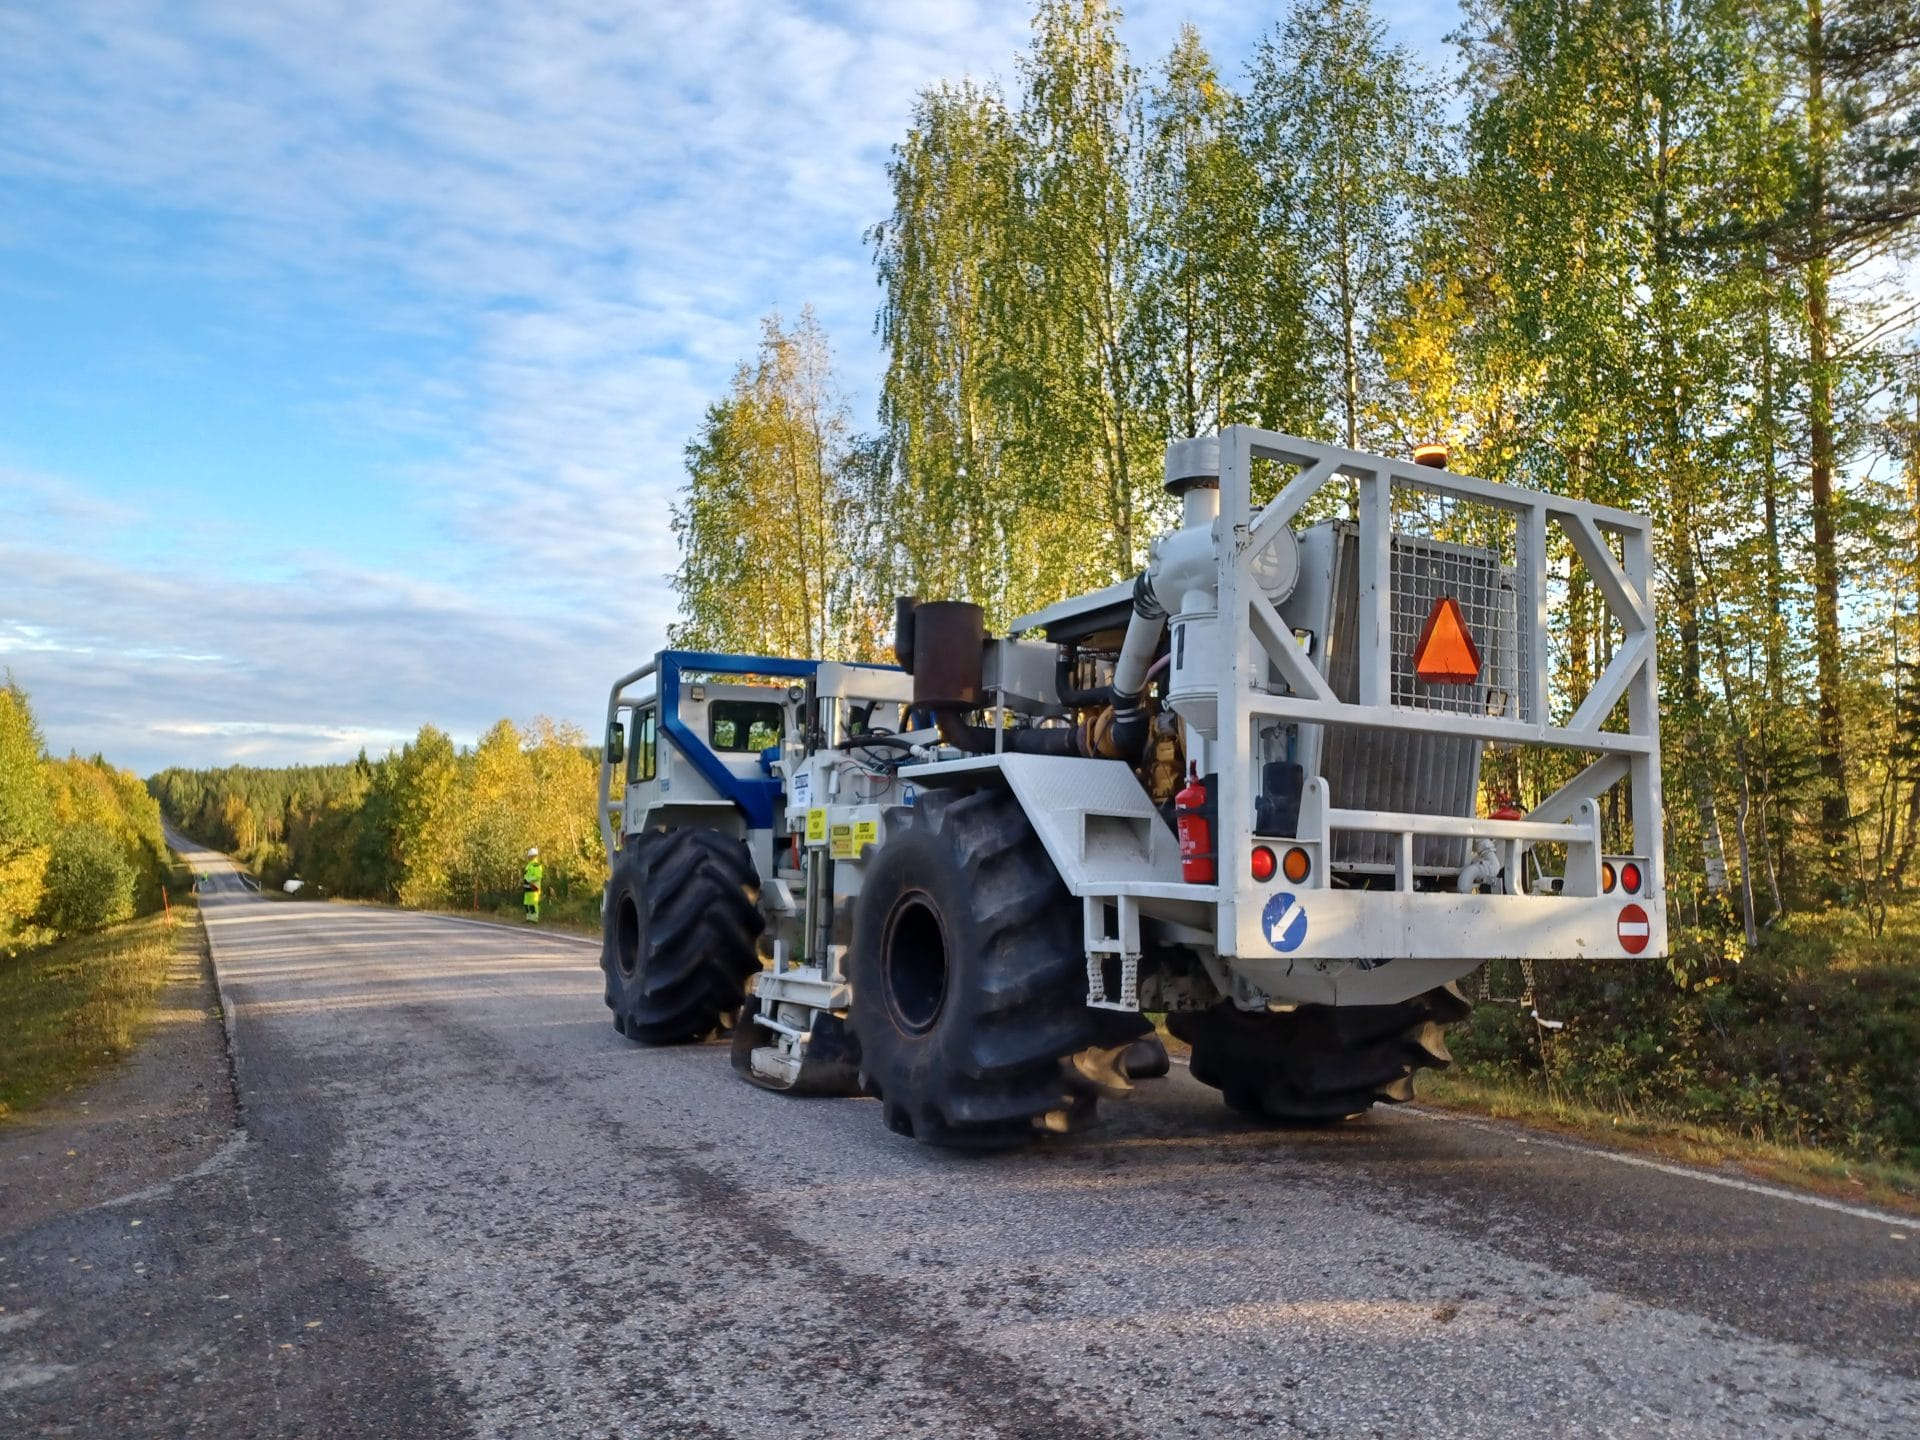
865, 833
816, 825
842, 846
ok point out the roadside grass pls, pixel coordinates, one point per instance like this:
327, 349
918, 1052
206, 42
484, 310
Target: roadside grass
71, 1008
1889, 1184
1799, 1060
576, 919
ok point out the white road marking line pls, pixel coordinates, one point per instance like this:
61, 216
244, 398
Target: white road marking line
1859, 1212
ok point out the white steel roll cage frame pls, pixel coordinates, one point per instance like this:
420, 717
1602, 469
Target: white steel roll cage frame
1254, 633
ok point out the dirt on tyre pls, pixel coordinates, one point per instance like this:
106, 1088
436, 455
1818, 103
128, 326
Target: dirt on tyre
969, 988
679, 938
1318, 1063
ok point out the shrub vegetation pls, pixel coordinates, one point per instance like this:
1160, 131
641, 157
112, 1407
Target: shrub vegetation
429, 824
1813, 1039
80, 841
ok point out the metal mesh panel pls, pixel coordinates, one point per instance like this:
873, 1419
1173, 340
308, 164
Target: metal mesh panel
1430, 773
1447, 546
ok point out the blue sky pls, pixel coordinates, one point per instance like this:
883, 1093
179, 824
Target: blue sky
347, 351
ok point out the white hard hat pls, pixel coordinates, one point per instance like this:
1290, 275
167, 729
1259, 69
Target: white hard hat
535, 850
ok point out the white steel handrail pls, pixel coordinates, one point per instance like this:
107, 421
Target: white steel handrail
615, 697
1388, 822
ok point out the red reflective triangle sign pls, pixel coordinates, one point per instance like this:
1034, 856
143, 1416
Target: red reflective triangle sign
1446, 654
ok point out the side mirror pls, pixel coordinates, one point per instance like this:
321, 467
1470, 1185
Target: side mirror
616, 743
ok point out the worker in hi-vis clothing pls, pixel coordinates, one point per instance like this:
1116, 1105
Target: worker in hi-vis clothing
530, 879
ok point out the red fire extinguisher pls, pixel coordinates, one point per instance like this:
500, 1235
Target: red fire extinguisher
1192, 821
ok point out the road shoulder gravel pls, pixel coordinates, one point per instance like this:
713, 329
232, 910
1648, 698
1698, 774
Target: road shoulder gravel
186, 1269
167, 1109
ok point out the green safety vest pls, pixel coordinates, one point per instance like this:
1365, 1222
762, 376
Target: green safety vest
533, 875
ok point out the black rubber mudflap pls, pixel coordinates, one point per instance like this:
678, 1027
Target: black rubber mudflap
1319, 1062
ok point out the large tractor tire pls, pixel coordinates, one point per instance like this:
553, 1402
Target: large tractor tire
679, 937
969, 989
1319, 1062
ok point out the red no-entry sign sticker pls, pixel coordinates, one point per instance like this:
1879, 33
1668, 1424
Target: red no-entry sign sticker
1634, 929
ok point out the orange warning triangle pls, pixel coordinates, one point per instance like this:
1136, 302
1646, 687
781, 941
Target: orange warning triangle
1446, 654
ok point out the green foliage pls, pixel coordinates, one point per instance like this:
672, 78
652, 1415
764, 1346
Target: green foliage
951, 513
26, 813
1344, 139
772, 474
1813, 1040
80, 842
1067, 281
1224, 296
26, 807
427, 825
89, 882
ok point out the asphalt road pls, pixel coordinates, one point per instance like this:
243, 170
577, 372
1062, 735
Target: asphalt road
463, 1205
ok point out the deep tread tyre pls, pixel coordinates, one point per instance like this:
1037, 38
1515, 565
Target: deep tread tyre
679, 937
1318, 1063
969, 990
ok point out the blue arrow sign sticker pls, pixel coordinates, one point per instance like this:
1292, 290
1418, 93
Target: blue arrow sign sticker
1284, 922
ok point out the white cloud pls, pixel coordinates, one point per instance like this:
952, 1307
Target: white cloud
590, 202
158, 666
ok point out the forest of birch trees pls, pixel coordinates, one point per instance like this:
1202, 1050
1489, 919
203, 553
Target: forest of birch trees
1649, 252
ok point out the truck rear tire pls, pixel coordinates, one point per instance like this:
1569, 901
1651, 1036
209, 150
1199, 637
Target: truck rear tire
678, 939
969, 990
1319, 1062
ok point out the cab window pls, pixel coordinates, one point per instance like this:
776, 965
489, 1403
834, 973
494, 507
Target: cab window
640, 755
876, 717
744, 726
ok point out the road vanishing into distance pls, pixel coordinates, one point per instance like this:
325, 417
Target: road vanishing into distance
460, 1204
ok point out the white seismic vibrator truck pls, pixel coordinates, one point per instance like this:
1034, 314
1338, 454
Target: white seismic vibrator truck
1245, 789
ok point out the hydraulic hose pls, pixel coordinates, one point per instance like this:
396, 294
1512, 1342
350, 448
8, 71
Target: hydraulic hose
1063, 685
978, 739
1149, 623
